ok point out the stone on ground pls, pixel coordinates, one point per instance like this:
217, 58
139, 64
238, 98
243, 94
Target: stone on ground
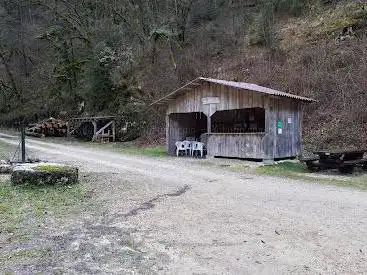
44, 174
5, 168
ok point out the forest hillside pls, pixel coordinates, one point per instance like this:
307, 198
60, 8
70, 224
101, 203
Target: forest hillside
64, 58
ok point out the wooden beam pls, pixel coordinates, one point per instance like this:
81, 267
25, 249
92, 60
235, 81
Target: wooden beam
89, 119
176, 91
96, 134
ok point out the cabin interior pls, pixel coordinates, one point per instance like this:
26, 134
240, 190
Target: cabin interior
195, 125
248, 120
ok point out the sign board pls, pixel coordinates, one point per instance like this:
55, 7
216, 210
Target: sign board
210, 100
280, 124
289, 120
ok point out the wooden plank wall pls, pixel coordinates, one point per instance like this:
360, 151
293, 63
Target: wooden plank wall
236, 145
288, 143
269, 140
230, 99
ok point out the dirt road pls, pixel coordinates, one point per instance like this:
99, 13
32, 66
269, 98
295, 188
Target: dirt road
179, 216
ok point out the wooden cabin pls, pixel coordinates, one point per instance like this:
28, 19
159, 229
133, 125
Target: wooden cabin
235, 119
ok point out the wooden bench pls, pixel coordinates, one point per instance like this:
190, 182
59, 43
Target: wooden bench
345, 160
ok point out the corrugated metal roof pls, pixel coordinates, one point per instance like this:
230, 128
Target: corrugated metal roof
232, 84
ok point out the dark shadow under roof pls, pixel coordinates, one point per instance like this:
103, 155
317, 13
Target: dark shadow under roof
238, 85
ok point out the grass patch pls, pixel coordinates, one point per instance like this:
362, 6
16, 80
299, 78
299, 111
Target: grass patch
25, 211
282, 169
131, 148
28, 256
299, 171
145, 151
20, 205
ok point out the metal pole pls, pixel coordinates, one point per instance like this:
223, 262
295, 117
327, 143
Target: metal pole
23, 141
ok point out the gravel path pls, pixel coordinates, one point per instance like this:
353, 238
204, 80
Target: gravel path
177, 216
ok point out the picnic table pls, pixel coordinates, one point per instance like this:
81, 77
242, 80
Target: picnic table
344, 160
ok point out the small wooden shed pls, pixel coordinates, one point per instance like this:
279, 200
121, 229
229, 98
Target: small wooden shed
96, 128
235, 119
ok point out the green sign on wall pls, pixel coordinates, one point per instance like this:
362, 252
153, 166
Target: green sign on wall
280, 124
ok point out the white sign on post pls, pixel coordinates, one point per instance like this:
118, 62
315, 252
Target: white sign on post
289, 120
280, 131
210, 100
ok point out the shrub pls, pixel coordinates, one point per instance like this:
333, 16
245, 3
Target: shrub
262, 32
291, 7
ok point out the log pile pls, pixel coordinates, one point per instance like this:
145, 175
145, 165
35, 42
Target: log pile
48, 128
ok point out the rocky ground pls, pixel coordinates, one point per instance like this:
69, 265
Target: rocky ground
145, 215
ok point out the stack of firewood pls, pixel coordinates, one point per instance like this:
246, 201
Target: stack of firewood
48, 128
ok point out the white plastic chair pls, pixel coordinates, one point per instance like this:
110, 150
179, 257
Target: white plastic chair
188, 145
198, 146
179, 147
184, 146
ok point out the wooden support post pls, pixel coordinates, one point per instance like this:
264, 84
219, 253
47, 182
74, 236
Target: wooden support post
269, 140
209, 124
114, 131
211, 111
68, 134
301, 108
168, 132
94, 130
23, 141
273, 125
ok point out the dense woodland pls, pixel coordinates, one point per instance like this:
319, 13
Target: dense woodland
65, 58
